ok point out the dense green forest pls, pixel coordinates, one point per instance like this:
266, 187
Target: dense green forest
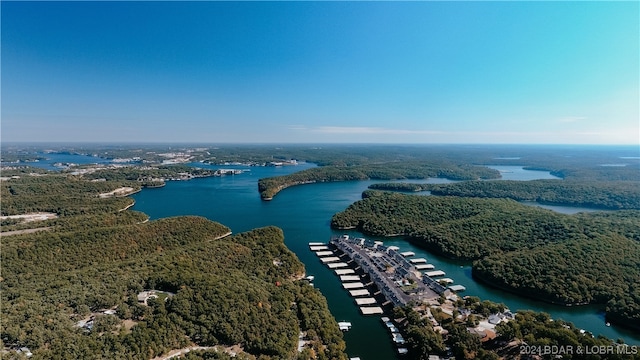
269, 187
567, 259
597, 194
150, 176
218, 289
66, 195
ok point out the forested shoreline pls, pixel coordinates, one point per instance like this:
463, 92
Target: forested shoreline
269, 187
610, 195
74, 291
566, 259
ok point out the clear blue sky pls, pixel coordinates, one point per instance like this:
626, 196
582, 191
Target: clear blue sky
409, 72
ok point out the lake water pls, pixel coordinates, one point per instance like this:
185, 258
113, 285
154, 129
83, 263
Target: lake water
60, 158
304, 213
514, 172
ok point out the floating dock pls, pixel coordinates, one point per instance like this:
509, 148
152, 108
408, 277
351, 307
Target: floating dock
317, 244
329, 259
365, 301
418, 260
435, 273
446, 280
325, 253
408, 253
370, 310
353, 285
319, 248
344, 271
336, 265
424, 267
345, 278
457, 288
359, 292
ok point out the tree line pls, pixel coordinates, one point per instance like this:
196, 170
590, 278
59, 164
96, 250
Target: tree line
222, 290
567, 259
615, 195
269, 187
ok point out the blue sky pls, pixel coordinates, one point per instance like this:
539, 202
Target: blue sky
295, 72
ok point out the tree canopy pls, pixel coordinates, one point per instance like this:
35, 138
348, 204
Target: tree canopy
567, 259
214, 288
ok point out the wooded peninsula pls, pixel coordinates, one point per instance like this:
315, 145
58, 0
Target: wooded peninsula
99, 282
566, 259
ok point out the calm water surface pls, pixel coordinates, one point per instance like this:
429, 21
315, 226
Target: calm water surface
304, 213
63, 158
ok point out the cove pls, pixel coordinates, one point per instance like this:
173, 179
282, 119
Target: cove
304, 213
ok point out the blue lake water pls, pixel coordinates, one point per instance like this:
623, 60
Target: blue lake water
514, 172
304, 213
50, 159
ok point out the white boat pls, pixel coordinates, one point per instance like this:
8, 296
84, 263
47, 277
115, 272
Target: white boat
344, 325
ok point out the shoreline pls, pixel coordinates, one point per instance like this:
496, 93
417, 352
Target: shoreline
495, 285
612, 318
620, 322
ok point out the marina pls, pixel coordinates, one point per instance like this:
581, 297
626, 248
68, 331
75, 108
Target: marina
366, 266
379, 277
